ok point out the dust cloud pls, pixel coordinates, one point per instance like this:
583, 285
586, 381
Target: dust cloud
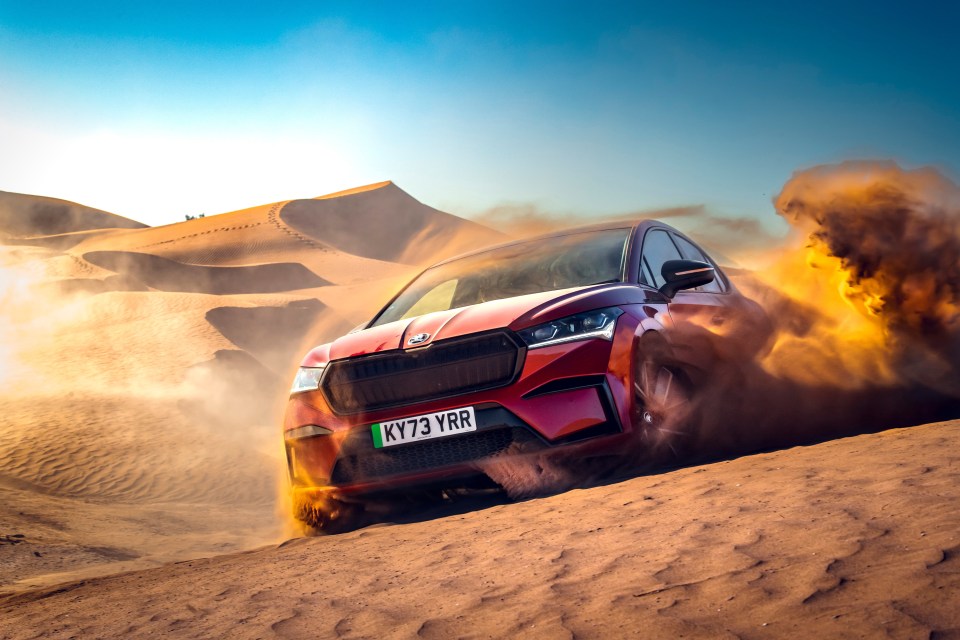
892, 239
123, 438
862, 329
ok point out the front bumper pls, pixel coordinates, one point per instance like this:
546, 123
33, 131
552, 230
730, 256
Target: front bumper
564, 394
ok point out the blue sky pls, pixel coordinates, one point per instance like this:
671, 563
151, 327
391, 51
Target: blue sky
157, 110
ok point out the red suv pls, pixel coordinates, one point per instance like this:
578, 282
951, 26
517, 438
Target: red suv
561, 343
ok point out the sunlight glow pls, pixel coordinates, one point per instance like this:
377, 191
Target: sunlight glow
158, 178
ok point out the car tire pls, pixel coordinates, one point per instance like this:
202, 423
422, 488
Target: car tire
663, 403
327, 514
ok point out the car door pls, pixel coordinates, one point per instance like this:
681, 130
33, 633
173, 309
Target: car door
697, 314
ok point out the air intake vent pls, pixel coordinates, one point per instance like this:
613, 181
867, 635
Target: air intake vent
359, 462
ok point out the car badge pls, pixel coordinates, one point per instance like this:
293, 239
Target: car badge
419, 338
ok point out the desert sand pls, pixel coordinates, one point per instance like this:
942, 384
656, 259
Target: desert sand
854, 538
142, 379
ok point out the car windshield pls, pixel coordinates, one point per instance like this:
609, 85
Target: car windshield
546, 264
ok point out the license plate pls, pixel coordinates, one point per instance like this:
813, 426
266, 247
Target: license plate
431, 425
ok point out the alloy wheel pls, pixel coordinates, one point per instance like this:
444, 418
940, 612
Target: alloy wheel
662, 407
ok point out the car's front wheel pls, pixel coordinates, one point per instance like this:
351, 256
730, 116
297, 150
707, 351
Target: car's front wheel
323, 512
663, 407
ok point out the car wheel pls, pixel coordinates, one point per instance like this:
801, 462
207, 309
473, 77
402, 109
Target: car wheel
663, 404
327, 514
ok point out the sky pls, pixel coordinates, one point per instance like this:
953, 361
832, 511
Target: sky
157, 110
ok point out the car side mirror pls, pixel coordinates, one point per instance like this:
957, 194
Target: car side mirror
685, 274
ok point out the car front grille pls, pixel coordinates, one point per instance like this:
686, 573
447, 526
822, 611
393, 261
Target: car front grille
442, 370
359, 462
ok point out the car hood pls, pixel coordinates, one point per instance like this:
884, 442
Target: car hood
515, 313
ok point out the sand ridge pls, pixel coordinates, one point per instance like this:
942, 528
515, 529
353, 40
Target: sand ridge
30, 216
395, 226
365, 228
344, 239
169, 275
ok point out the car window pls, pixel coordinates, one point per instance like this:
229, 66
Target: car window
645, 275
542, 264
691, 251
440, 297
657, 249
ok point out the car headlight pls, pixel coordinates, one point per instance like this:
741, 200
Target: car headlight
308, 379
592, 324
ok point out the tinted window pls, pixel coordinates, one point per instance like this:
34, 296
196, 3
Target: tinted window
645, 276
657, 249
545, 264
691, 251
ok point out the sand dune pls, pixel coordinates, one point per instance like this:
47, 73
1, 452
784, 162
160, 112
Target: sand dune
271, 334
168, 275
72, 286
850, 538
393, 225
27, 216
252, 236
369, 227
60, 241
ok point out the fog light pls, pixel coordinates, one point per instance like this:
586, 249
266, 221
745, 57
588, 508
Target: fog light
307, 431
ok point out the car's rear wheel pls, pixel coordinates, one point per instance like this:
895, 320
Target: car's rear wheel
663, 408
